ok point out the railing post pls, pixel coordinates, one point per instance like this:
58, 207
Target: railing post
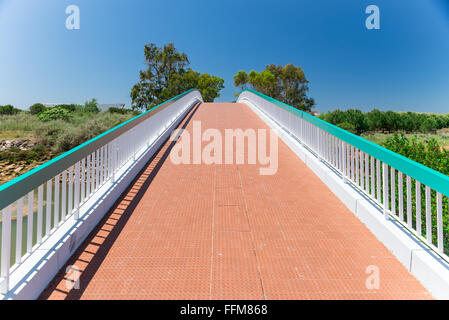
6, 250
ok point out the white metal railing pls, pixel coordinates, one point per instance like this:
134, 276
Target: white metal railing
37, 203
407, 191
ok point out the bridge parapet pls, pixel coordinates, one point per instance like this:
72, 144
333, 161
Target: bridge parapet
406, 191
42, 207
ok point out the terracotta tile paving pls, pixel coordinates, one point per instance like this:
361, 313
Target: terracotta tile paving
225, 232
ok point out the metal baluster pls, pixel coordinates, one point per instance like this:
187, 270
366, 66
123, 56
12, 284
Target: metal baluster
19, 229
440, 238
401, 195
418, 207
428, 216
30, 221
385, 189
393, 190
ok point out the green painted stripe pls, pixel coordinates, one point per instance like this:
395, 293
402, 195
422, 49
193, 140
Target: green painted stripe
20, 186
429, 177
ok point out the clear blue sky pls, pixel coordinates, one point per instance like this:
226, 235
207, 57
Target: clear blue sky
402, 66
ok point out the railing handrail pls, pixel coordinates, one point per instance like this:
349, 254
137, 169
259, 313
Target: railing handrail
20, 186
415, 170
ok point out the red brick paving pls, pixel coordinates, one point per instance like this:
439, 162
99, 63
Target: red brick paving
226, 232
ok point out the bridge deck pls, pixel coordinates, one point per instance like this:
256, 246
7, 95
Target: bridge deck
226, 232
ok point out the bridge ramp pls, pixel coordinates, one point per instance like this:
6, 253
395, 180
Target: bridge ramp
226, 232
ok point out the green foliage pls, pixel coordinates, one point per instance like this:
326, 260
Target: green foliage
433, 156
8, 110
375, 120
14, 154
241, 79
82, 129
287, 84
55, 113
429, 153
167, 76
37, 108
347, 126
123, 111
209, 86
68, 107
58, 135
429, 124
387, 121
91, 106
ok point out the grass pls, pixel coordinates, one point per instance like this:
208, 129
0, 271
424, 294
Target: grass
6, 135
59, 136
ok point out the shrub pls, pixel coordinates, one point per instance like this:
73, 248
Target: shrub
83, 128
91, 106
68, 107
393, 121
8, 110
37, 108
56, 136
14, 154
389, 121
375, 120
55, 113
347, 126
38, 148
48, 132
433, 156
122, 111
430, 124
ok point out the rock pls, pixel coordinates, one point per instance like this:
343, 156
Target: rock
21, 143
17, 170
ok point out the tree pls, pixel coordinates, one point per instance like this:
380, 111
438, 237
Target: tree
241, 79
347, 126
8, 110
393, 121
209, 86
37, 108
287, 84
357, 119
167, 76
91, 106
429, 124
376, 120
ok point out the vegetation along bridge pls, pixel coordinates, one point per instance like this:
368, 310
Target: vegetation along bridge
249, 200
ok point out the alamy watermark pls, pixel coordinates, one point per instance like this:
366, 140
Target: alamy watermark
373, 20
373, 280
221, 151
72, 279
72, 22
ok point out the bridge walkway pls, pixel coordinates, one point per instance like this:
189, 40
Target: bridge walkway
226, 232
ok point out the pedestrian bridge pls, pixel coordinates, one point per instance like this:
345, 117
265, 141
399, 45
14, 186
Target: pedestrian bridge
300, 210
